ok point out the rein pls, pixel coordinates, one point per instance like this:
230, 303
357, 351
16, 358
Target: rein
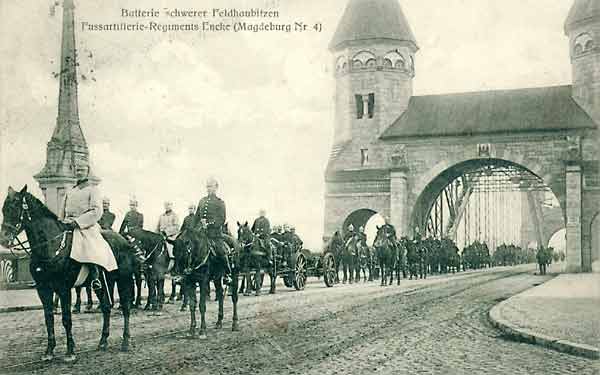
26, 245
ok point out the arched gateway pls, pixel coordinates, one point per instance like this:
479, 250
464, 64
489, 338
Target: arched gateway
395, 153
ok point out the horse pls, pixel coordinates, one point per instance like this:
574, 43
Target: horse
255, 258
386, 254
336, 247
55, 272
155, 265
196, 256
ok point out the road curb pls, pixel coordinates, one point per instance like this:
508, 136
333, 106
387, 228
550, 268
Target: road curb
536, 338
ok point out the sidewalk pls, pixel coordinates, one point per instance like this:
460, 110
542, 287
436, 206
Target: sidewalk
562, 314
27, 299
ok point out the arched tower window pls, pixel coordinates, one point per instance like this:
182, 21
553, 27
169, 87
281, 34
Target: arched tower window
363, 59
396, 60
583, 43
340, 64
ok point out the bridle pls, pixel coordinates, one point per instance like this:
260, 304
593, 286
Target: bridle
24, 218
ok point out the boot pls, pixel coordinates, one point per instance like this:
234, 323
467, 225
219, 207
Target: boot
95, 277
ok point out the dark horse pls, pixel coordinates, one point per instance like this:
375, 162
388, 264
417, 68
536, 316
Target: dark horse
386, 254
197, 260
254, 259
155, 264
336, 247
55, 272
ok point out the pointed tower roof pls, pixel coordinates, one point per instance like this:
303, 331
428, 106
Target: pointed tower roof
581, 12
372, 19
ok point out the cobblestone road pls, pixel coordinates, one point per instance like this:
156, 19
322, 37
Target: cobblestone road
437, 326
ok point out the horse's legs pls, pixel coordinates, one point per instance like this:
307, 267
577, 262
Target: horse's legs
90, 300
138, 287
248, 283
65, 306
173, 292
234, 300
204, 285
160, 285
77, 306
190, 291
46, 295
220, 296
273, 276
124, 288
345, 271
151, 303
105, 306
257, 279
382, 272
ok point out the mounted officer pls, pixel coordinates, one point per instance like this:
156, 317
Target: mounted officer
211, 214
133, 219
81, 214
108, 218
262, 229
168, 226
390, 233
188, 221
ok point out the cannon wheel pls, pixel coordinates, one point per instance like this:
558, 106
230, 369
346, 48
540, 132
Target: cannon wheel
329, 270
300, 272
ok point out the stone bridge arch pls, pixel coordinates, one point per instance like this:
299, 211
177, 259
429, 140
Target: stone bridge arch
429, 185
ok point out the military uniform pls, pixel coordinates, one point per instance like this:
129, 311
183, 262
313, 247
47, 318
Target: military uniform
262, 228
168, 223
212, 210
82, 206
107, 220
188, 222
132, 220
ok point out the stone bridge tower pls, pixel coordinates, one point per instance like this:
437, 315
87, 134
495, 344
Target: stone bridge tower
396, 154
67, 147
374, 58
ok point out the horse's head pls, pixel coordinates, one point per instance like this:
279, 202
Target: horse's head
381, 238
191, 249
245, 235
16, 214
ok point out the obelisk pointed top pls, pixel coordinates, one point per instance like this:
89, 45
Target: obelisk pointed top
68, 129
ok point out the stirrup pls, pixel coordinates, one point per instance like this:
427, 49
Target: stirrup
96, 285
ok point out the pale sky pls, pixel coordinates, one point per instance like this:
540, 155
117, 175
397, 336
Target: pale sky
165, 110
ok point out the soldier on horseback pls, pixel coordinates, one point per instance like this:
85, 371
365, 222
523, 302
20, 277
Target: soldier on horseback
262, 229
133, 219
188, 221
211, 215
108, 218
80, 215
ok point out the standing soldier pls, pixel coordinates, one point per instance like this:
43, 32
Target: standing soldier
108, 218
211, 214
349, 235
133, 219
262, 229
